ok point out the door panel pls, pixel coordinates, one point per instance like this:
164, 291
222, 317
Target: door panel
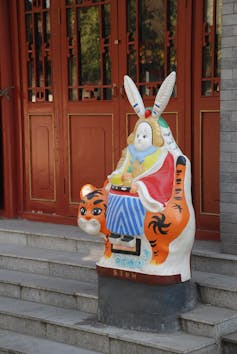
209, 181
94, 162
206, 117
41, 158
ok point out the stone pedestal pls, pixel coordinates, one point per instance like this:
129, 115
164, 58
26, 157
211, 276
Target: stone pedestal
137, 305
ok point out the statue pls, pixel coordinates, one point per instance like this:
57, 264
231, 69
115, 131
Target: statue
144, 211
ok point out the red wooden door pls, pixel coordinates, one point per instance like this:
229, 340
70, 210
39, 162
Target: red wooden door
206, 116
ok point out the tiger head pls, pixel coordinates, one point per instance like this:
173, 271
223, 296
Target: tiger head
92, 210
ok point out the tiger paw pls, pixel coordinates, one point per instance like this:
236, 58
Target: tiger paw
114, 239
128, 241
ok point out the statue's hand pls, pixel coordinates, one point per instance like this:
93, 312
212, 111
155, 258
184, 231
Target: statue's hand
126, 177
134, 188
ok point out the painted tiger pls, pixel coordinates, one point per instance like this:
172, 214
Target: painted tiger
162, 228
92, 214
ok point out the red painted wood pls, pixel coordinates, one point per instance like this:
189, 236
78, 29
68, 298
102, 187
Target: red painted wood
7, 113
205, 135
42, 168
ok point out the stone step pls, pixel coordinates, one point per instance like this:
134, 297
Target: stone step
76, 328
54, 291
217, 289
229, 343
46, 235
207, 257
67, 265
16, 343
210, 321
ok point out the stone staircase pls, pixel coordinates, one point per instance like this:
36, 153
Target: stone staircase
48, 298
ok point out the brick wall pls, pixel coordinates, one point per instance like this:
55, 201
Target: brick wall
228, 138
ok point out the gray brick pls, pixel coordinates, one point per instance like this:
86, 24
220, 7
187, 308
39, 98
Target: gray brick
229, 105
225, 177
228, 198
226, 137
225, 156
235, 76
230, 237
229, 20
229, 187
227, 1
227, 31
233, 177
229, 147
229, 85
234, 136
227, 95
226, 53
226, 116
228, 42
227, 207
234, 30
229, 63
228, 167
234, 116
227, 74
229, 217
228, 125
227, 8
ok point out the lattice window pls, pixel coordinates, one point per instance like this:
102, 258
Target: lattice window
151, 42
211, 47
38, 47
88, 50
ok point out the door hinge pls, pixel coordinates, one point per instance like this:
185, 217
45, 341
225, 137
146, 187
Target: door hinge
5, 92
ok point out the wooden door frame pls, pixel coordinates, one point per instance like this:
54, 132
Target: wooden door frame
10, 123
209, 228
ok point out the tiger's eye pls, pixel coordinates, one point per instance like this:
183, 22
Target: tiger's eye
96, 211
83, 211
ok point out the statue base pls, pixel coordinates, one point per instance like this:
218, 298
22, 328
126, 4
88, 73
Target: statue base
144, 303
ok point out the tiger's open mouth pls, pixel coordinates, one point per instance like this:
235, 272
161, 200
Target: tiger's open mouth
91, 226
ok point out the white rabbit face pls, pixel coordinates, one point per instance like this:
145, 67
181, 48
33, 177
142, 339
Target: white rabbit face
143, 137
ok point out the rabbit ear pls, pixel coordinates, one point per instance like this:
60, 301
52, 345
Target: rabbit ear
163, 95
134, 96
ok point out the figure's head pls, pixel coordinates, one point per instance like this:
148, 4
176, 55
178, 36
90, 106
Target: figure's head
143, 137
147, 124
146, 133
